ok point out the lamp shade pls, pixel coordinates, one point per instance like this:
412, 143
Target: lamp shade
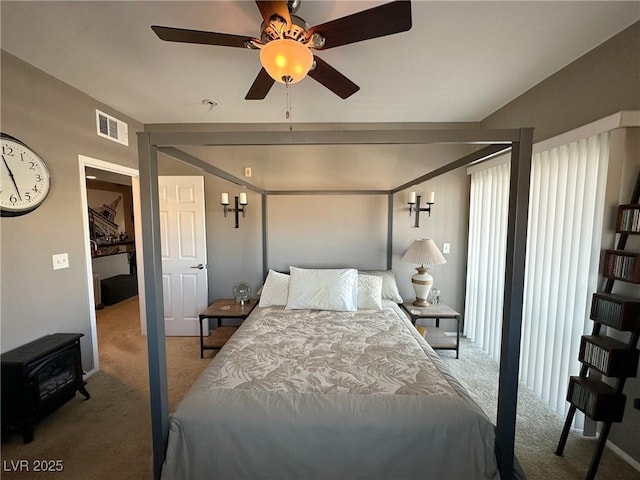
424, 251
286, 60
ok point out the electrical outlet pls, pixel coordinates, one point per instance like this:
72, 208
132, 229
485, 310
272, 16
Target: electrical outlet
446, 248
60, 260
247, 172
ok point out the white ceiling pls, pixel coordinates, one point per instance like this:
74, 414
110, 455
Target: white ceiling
461, 61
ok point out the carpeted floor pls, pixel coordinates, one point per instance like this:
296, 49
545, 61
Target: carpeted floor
108, 436
538, 429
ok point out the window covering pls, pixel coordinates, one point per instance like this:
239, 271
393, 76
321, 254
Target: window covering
489, 206
561, 272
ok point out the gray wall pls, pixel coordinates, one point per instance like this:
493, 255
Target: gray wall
327, 231
602, 82
59, 123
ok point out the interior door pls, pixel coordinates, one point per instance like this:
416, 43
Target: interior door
184, 253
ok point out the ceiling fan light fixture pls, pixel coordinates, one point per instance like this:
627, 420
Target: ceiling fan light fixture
286, 60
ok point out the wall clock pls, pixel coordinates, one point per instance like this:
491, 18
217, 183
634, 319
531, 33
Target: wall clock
24, 178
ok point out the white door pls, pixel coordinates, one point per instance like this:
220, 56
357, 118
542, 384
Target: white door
184, 253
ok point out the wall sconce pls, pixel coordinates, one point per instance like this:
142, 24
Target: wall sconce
414, 205
240, 205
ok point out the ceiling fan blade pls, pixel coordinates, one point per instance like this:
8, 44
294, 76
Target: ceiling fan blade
171, 34
332, 79
270, 8
387, 19
261, 86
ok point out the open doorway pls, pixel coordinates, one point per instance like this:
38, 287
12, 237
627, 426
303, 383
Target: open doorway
112, 238
113, 242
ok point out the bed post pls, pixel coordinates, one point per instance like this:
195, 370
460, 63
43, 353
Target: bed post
390, 232
265, 263
513, 299
150, 223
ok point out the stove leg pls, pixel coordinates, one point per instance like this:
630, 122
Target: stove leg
84, 392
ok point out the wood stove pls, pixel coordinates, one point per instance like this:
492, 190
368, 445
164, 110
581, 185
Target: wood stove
37, 378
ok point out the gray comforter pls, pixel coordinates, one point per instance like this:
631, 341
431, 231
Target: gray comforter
308, 394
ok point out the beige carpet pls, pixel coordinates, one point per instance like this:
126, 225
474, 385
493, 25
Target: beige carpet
108, 436
538, 429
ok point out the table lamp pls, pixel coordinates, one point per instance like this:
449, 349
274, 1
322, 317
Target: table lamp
423, 252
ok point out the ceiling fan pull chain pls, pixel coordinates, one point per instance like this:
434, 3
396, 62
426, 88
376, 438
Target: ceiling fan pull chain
288, 115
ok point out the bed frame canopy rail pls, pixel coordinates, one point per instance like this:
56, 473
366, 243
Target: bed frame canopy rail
496, 141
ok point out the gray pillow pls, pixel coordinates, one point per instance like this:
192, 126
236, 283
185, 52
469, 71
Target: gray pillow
389, 286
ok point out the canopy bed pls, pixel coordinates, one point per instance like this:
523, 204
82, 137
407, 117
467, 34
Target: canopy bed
492, 142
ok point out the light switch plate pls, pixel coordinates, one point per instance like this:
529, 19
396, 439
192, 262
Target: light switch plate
60, 260
247, 172
446, 248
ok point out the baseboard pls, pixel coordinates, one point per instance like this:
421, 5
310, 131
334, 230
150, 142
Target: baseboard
613, 447
623, 455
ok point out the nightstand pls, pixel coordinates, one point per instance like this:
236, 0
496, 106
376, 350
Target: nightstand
224, 308
436, 337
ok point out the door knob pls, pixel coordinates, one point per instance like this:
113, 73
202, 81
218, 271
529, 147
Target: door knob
199, 266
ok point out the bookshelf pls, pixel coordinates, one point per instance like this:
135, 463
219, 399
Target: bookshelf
608, 362
617, 311
608, 356
622, 265
628, 219
596, 399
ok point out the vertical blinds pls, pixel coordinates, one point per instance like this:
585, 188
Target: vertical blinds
565, 228
487, 252
563, 243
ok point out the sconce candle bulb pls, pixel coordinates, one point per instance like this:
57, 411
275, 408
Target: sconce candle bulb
224, 199
431, 198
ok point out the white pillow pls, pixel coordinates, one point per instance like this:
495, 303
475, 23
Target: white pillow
323, 289
370, 292
275, 290
389, 285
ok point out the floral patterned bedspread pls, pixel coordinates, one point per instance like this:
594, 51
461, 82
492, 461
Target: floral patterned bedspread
316, 395
314, 351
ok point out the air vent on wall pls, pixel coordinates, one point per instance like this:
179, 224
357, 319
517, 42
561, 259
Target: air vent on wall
112, 128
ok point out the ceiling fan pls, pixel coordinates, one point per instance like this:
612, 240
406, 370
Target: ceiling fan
286, 41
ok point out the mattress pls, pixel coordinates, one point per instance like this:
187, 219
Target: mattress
313, 394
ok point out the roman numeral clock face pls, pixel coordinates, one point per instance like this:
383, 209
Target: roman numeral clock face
24, 178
